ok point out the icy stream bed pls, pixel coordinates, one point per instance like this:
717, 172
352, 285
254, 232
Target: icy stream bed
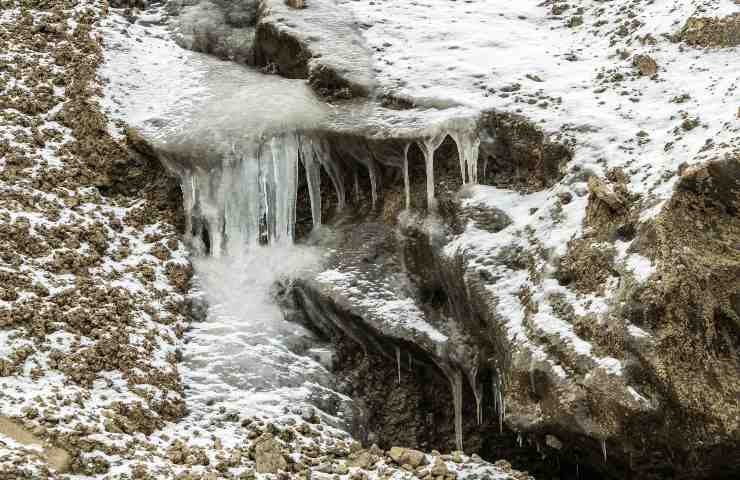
243, 356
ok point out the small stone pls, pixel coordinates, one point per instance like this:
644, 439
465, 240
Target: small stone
565, 197
646, 65
439, 468
268, 455
553, 442
408, 456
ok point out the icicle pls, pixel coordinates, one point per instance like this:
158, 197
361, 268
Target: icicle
241, 196
479, 403
428, 147
406, 181
411, 362
357, 187
187, 184
253, 193
485, 167
211, 210
472, 153
398, 363
457, 392
498, 399
313, 178
468, 146
477, 393
371, 168
603, 449
279, 164
321, 148
502, 412
460, 156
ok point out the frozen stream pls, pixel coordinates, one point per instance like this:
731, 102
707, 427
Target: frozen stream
237, 139
243, 356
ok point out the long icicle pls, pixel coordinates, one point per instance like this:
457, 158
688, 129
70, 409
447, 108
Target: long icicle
398, 363
457, 400
472, 153
477, 393
372, 171
406, 181
313, 178
456, 136
603, 449
429, 146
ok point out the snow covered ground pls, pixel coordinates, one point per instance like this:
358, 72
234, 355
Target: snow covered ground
570, 68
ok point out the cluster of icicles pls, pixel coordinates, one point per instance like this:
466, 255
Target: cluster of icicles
251, 199
455, 377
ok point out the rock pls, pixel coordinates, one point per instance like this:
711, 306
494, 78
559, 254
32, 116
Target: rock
268, 455
439, 468
646, 65
407, 456
565, 197
712, 32
604, 192
308, 414
363, 459
553, 442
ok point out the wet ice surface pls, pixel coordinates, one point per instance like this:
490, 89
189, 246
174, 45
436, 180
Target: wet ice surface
245, 356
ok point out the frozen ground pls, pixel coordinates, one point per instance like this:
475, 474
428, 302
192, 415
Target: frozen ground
571, 70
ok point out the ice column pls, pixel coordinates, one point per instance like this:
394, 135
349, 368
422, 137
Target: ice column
428, 147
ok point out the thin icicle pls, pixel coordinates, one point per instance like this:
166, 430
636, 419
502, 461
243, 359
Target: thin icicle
371, 168
457, 399
398, 363
498, 399
477, 393
603, 449
357, 187
406, 181
323, 154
